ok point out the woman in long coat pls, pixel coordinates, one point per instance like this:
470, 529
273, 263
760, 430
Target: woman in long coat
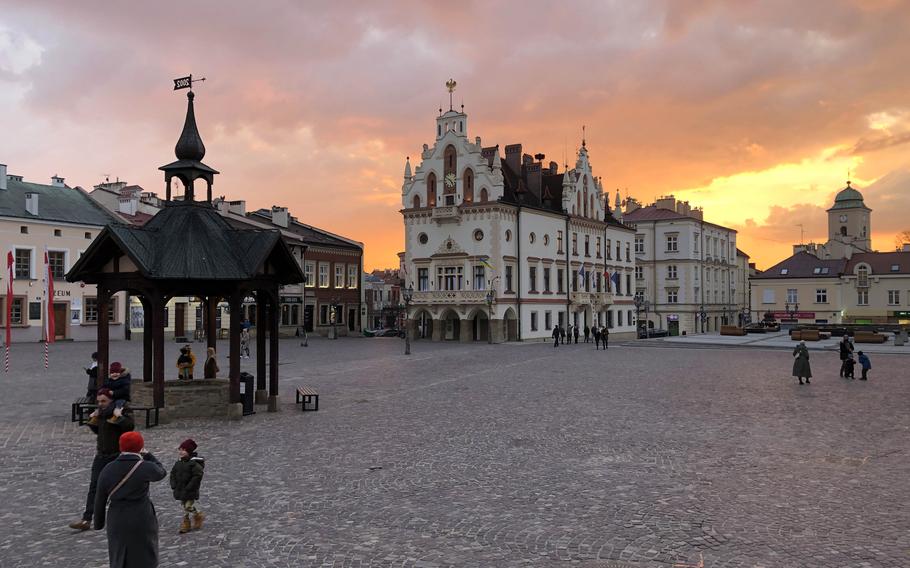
132, 530
801, 366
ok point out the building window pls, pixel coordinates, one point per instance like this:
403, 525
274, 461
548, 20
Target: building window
628, 253
609, 251
531, 238
309, 273
23, 229
58, 233
323, 274
894, 297
792, 296
88, 236
509, 280
574, 281
618, 257
821, 295
90, 307
422, 238
671, 272
862, 297
639, 244
587, 245
352, 276
559, 241
618, 318
533, 321
532, 279
672, 243
628, 285
862, 277
339, 275
598, 247
639, 273
23, 264
323, 314
449, 278
575, 244
548, 320
508, 235
672, 296
56, 260
423, 279
560, 280
480, 279
546, 281
17, 309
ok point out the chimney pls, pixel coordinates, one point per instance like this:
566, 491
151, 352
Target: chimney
513, 157
666, 202
239, 207
2, 176
280, 216
534, 178
129, 203
57, 181
632, 204
31, 203
697, 213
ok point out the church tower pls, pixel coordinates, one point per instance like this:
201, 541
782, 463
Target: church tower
849, 225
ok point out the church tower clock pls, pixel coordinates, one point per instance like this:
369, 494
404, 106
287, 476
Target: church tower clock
849, 224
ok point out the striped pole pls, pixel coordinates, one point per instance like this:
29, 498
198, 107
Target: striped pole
6, 360
45, 355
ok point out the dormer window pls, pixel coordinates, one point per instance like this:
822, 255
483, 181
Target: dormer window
817, 270
784, 271
862, 277
825, 270
895, 268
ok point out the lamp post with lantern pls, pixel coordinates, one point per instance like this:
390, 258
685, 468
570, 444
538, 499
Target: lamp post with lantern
407, 295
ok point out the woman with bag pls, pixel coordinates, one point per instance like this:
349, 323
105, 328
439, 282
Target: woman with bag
132, 530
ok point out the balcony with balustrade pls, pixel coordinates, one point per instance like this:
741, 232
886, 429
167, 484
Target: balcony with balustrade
449, 297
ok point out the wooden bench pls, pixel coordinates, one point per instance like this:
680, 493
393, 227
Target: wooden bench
732, 330
77, 407
869, 337
804, 335
85, 408
307, 395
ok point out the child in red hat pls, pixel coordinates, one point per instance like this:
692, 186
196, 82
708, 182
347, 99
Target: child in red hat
186, 477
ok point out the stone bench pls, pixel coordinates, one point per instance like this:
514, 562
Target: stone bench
869, 337
732, 330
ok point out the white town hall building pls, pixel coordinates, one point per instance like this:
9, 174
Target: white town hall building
542, 241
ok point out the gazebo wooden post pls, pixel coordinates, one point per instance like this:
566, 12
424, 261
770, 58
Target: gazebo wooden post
104, 360
236, 304
211, 304
148, 352
261, 330
273, 350
157, 303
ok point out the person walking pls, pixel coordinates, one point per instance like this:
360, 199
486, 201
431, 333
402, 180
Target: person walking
865, 364
575, 333
245, 342
107, 449
562, 335
587, 333
186, 477
605, 337
801, 368
123, 506
210, 369
596, 331
846, 349
556, 336
91, 390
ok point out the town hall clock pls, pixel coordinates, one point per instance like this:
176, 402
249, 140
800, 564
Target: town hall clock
450, 181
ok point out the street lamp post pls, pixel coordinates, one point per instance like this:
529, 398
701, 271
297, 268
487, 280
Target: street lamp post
702, 316
407, 294
642, 304
746, 319
335, 318
490, 295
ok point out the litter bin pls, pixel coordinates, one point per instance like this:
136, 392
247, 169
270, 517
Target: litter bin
247, 392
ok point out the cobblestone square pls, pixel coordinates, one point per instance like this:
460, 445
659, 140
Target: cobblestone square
500, 455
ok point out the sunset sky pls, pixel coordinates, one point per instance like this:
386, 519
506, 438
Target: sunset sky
753, 110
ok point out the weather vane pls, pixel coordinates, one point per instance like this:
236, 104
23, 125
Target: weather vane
186, 82
450, 85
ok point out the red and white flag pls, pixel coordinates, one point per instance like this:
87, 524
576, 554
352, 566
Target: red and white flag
49, 332
9, 308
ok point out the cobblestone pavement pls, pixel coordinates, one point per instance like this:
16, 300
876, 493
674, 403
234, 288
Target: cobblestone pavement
509, 455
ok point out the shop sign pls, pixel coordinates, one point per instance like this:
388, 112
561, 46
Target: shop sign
794, 315
291, 300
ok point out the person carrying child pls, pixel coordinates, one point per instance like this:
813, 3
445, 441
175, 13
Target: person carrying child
186, 362
118, 383
186, 477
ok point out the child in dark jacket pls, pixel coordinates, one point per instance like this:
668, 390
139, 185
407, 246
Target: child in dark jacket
849, 363
866, 365
186, 476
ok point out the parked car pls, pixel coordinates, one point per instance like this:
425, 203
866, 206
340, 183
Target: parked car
387, 333
642, 334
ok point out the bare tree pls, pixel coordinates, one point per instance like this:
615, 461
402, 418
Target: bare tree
902, 239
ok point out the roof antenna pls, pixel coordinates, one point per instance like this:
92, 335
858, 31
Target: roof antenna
848, 177
802, 231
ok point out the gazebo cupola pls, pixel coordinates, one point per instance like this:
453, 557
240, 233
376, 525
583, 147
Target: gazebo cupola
189, 151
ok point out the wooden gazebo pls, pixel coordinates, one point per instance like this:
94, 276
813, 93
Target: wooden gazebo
189, 249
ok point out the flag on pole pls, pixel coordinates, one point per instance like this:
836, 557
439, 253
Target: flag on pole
9, 308
485, 260
581, 270
615, 279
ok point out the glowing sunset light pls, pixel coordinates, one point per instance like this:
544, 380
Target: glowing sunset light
753, 111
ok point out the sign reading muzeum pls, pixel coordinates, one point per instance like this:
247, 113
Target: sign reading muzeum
505, 244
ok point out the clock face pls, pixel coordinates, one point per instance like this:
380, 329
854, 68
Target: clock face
450, 180
843, 218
